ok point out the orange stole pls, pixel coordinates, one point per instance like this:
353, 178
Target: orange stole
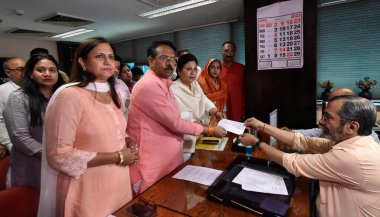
215, 92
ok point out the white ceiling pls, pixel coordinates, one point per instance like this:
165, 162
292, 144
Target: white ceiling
116, 20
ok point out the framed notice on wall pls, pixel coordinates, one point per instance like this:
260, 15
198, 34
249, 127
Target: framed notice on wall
280, 35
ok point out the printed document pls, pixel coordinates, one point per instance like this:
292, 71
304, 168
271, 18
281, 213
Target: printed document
232, 126
254, 180
201, 175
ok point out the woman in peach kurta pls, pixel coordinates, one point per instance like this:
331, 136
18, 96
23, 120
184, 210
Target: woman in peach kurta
86, 141
81, 127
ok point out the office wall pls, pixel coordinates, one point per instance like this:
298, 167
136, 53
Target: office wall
204, 42
21, 47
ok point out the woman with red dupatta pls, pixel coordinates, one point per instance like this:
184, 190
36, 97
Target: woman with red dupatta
214, 87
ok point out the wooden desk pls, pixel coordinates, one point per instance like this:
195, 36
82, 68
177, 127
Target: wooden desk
174, 196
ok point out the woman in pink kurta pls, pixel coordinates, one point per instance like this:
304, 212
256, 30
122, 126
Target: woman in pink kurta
86, 141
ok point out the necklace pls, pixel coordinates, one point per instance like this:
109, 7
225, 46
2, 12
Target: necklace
97, 86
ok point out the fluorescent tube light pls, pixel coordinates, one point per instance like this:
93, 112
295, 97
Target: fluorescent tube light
332, 3
176, 8
72, 33
336, 2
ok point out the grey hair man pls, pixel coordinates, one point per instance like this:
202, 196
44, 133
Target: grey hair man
317, 132
14, 69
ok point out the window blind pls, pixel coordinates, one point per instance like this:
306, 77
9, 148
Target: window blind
205, 42
237, 29
348, 44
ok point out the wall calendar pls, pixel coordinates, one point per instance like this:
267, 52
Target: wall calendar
280, 35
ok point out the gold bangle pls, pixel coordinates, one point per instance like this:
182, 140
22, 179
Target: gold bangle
210, 130
264, 127
121, 156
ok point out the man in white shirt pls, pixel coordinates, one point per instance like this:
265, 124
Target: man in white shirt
14, 69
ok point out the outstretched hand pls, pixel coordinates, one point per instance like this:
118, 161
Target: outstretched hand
254, 124
248, 139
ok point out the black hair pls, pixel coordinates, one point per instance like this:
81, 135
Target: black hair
118, 58
84, 77
38, 50
136, 72
185, 59
122, 65
37, 101
152, 49
231, 43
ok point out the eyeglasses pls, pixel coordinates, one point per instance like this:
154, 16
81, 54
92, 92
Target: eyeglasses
19, 69
165, 58
325, 117
228, 51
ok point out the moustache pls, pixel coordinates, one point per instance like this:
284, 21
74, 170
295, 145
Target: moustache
169, 68
325, 132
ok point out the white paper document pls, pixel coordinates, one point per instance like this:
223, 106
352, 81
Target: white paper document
201, 175
254, 180
273, 122
232, 126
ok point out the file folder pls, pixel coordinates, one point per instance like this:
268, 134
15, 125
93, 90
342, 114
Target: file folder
223, 190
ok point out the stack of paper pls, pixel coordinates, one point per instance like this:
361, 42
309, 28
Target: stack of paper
201, 175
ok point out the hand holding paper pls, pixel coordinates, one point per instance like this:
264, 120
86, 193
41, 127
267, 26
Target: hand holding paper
254, 124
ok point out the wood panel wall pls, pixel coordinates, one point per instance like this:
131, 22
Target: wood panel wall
291, 91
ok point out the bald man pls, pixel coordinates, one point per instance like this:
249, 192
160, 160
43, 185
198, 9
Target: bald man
317, 132
14, 69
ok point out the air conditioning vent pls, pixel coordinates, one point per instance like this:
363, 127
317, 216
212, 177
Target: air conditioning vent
66, 20
28, 32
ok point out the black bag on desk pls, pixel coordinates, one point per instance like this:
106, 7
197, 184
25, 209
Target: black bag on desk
225, 191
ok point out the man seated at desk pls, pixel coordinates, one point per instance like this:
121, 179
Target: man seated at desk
347, 165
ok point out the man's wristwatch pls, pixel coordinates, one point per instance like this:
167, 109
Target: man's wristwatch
257, 144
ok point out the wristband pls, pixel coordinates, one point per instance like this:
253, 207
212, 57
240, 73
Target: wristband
121, 156
257, 144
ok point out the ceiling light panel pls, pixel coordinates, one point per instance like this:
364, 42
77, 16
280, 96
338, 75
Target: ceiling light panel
72, 33
176, 8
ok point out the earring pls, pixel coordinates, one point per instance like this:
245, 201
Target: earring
84, 68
